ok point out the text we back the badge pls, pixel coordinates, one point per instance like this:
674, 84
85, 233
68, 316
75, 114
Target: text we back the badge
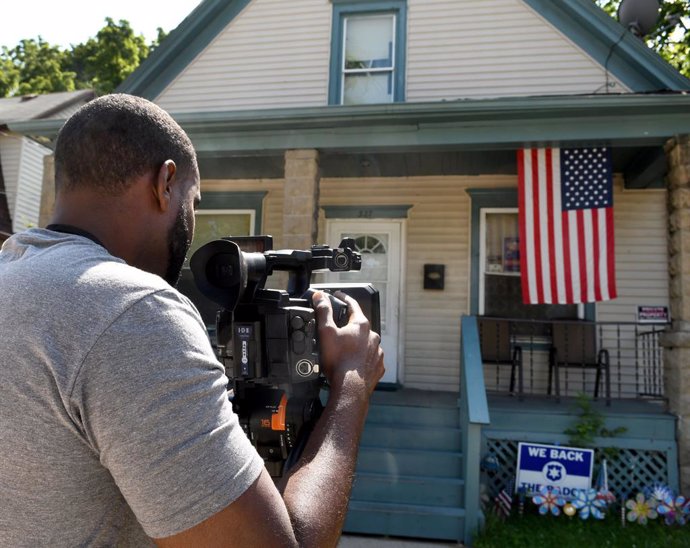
569, 468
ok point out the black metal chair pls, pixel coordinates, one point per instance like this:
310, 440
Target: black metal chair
574, 345
498, 347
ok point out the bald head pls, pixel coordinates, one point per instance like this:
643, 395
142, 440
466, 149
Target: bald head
114, 139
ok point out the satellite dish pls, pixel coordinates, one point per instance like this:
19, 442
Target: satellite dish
639, 16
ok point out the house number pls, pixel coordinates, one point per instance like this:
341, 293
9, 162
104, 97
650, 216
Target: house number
365, 214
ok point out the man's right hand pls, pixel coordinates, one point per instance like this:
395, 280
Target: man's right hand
350, 355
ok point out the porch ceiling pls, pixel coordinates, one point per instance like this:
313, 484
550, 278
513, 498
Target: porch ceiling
630, 120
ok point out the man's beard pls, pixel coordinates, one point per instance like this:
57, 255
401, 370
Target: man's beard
179, 241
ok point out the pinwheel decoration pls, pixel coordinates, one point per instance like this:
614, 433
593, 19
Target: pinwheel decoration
641, 509
549, 500
587, 502
658, 492
674, 509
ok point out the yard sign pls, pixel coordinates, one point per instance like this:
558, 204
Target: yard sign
568, 468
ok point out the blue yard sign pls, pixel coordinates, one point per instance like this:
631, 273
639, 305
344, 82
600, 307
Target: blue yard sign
566, 467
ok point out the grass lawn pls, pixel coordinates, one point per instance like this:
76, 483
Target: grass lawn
535, 531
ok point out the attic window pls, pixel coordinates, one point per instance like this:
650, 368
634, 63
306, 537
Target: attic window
368, 62
367, 57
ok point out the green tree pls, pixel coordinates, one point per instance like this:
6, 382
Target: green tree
101, 63
670, 38
105, 61
34, 66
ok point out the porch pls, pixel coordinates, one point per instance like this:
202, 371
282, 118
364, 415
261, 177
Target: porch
420, 473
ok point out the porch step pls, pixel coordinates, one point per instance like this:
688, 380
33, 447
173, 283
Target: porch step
429, 437
443, 523
418, 490
414, 415
402, 462
408, 479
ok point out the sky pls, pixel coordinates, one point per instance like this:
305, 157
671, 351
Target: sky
70, 22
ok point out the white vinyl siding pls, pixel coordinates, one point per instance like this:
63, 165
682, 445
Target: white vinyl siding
641, 223
492, 48
30, 182
276, 54
10, 154
273, 54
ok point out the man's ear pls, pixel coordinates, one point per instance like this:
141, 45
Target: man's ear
163, 183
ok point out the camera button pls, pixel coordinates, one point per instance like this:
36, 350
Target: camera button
297, 322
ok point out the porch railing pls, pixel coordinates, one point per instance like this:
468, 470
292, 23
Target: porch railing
474, 413
564, 358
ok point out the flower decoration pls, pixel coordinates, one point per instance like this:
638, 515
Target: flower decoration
640, 509
549, 499
674, 509
658, 491
587, 503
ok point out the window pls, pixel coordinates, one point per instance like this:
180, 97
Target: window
496, 284
367, 52
500, 288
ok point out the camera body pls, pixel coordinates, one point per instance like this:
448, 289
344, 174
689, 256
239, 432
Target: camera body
267, 338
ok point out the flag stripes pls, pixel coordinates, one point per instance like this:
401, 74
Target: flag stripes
566, 225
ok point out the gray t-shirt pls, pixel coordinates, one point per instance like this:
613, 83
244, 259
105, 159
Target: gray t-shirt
114, 416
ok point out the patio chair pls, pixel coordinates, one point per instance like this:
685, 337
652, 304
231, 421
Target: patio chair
498, 348
574, 345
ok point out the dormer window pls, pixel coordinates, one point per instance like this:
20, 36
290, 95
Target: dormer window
367, 61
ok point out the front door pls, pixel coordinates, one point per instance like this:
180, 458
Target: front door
379, 242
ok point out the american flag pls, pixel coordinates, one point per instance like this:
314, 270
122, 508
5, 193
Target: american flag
565, 210
503, 505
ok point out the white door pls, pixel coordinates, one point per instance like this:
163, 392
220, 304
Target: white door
379, 242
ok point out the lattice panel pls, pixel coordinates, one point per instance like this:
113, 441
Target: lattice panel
629, 471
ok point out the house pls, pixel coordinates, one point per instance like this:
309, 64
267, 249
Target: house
21, 158
399, 122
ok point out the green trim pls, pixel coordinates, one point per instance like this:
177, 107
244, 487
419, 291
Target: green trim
513, 122
611, 45
495, 198
483, 198
367, 212
236, 200
343, 8
181, 47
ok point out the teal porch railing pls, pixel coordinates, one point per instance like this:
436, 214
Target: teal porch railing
474, 413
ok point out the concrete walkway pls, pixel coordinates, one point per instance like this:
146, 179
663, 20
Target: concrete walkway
361, 541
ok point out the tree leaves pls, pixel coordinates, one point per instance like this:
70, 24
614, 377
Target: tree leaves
101, 63
670, 38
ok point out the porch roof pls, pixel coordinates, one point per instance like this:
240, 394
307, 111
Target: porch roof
630, 120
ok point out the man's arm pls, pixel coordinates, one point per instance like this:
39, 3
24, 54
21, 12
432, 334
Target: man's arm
315, 492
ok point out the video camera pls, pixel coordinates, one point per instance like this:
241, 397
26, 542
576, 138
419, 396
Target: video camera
267, 338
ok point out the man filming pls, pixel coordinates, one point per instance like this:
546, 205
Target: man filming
115, 425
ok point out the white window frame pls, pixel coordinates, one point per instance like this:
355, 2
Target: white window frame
483, 212
391, 70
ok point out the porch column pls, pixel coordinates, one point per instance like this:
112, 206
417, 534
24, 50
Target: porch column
47, 191
676, 343
301, 201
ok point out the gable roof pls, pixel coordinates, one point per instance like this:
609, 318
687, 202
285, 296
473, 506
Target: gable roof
37, 107
590, 28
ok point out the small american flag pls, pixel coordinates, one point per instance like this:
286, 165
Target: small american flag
503, 503
565, 210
